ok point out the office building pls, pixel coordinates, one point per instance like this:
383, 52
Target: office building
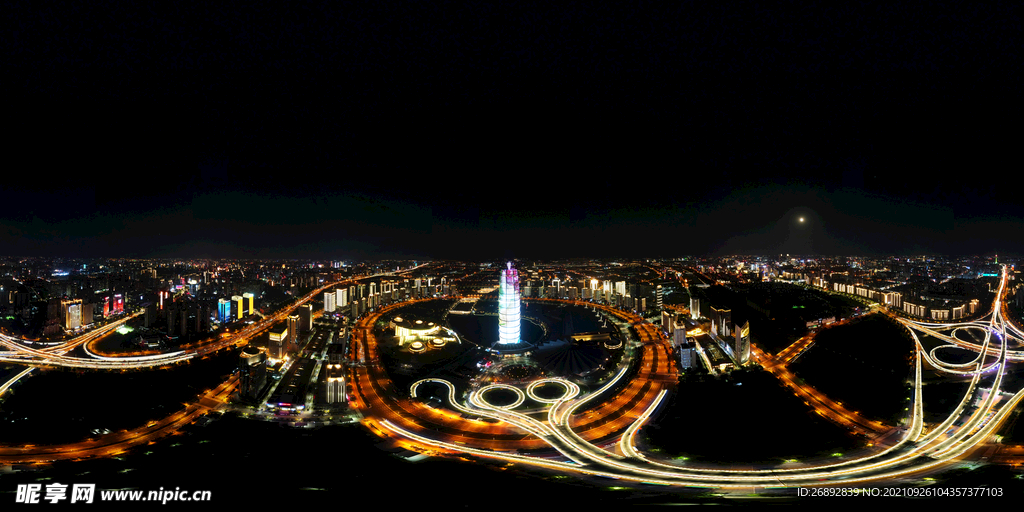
71, 311
293, 329
305, 318
248, 300
741, 343
279, 335
224, 311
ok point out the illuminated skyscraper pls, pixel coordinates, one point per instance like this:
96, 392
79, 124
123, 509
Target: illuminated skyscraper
508, 306
247, 303
72, 313
293, 329
224, 310
741, 347
278, 337
236, 306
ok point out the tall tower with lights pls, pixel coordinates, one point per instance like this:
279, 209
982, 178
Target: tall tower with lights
508, 306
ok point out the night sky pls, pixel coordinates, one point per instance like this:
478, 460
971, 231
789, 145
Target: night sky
493, 131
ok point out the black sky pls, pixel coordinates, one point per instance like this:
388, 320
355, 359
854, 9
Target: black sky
496, 130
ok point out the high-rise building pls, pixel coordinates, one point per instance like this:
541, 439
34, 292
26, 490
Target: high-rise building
508, 306
224, 311
741, 347
279, 334
659, 292
248, 299
236, 307
688, 356
87, 314
183, 317
72, 313
340, 298
721, 319
305, 317
329, 298
893, 299
678, 332
171, 311
118, 303
293, 329
252, 372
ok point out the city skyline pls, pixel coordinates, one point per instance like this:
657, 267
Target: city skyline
406, 154
754, 336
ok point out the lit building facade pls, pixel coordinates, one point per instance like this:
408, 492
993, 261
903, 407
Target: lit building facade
248, 299
72, 313
278, 338
224, 311
741, 347
293, 329
508, 306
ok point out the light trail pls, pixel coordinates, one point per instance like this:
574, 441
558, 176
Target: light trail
915, 452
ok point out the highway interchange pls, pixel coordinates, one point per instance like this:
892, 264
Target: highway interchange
590, 433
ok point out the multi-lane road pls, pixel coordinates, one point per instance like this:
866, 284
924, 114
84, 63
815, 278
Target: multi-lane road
111, 444
593, 433
973, 421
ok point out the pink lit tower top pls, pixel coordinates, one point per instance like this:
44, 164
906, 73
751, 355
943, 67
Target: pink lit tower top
508, 306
